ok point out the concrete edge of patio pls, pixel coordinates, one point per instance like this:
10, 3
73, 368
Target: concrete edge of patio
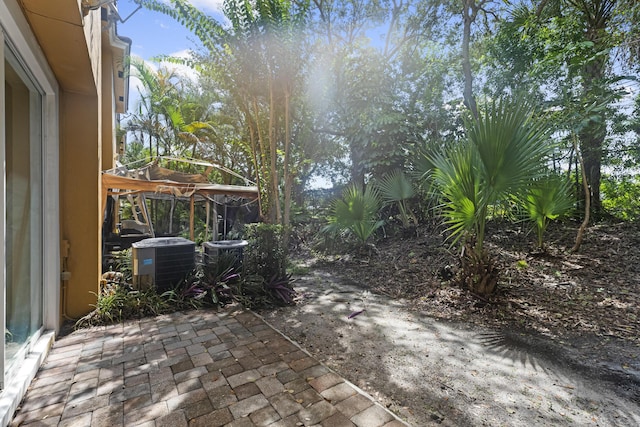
355, 387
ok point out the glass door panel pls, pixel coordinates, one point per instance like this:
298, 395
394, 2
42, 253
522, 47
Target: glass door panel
23, 215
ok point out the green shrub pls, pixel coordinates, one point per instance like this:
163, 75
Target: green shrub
262, 281
266, 253
117, 302
621, 196
265, 280
397, 188
504, 151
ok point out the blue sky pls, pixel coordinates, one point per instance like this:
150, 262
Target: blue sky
155, 34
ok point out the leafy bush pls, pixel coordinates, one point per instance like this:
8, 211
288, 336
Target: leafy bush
123, 263
504, 152
118, 301
259, 280
266, 253
265, 280
621, 197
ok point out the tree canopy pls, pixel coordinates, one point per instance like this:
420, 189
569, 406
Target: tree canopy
353, 90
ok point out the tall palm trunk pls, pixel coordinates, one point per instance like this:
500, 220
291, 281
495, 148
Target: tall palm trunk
276, 216
288, 177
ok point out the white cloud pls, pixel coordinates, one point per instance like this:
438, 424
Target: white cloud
208, 5
137, 89
183, 70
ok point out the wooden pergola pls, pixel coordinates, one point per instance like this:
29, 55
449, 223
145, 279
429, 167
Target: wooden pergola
153, 179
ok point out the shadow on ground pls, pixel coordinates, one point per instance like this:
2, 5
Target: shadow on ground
437, 373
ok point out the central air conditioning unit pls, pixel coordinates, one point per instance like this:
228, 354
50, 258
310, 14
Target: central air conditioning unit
213, 251
162, 262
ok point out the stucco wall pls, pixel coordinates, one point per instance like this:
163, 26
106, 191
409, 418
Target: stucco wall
80, 199
75, 47
108, 111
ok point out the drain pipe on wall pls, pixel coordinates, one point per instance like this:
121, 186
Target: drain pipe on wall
65, 276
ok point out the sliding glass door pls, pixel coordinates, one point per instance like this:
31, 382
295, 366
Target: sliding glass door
23, 212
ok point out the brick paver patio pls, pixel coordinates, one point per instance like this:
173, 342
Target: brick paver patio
201, 368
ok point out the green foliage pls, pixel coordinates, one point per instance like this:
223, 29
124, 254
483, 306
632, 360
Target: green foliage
503, 153
266, 253
356, 213
458, 179
262, 282
576, 57
397, 188
117, 302
265, 279
622, 196
123, 264
547, 199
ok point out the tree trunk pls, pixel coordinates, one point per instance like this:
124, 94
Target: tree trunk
357, 170
288, 177
587, 204
592, 140
254, 158
276, 215
468, 17
268, 206
594, 90
592, 136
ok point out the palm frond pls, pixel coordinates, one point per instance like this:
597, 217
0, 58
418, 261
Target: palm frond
548, 199
357, 212
395, 187
456, 176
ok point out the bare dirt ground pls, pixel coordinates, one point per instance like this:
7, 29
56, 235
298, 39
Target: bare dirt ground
559, 344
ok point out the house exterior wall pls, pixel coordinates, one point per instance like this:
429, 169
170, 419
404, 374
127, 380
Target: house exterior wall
71, 42
108, 113
16, 38
79, 200
87, 133
71, 54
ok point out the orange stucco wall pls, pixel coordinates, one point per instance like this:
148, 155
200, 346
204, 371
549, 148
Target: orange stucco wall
80, 200
78, 51
108, 113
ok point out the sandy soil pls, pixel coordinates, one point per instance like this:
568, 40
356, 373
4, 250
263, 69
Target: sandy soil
436, 356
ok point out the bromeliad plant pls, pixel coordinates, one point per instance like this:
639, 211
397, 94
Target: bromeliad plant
503, 153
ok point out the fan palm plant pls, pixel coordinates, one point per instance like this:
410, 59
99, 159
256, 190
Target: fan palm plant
547, 199
356, 212
503, 153
397, 188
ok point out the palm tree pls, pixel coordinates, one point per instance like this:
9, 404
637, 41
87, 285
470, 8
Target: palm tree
547, 199
356, 213
396, 187
151, 119
504, 152
256, 60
